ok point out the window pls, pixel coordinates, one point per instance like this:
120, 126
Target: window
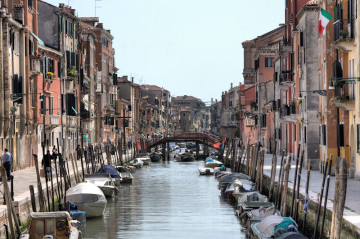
30, 3
17, 88
269, 61
340, 133
323, 131
51, 65
16, 43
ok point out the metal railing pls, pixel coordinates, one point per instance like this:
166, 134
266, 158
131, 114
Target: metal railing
345, 92
344, 29
286, 76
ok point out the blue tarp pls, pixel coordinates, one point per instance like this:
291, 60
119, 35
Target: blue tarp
108, 169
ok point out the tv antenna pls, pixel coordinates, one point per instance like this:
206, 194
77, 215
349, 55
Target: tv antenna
96, 5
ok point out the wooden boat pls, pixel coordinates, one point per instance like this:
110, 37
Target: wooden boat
252, 200
206, 171
104, 182
109, 169
88, 198
126, 177
230, 178
257, 215
51, 225
144, 157
155, 157
239, 187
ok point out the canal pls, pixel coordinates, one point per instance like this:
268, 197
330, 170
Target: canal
167, 200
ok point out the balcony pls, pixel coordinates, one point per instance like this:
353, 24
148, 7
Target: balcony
34, 67
345, 96
285, 113
344, 35
72, 74
52, 121
286, 79
69, 121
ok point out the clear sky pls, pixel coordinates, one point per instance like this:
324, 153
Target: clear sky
189, 47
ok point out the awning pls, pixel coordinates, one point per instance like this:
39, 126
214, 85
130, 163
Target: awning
41, 43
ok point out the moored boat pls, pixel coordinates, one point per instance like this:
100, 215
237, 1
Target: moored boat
104, 182
51, 225
126, 177
206, 171
109, 169
144, 157
187, 157
155, 157
88, 198
212, 163
137, 163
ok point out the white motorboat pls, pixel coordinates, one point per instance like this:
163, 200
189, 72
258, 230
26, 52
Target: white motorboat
126, 177
137, 163
51, 225
145, 158
206, 171
104, 181
212, 163
88, 198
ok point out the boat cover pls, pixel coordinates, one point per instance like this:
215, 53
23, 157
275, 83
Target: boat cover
292, 235
233, 176
252, 197
109, 169
266, 226
287, 224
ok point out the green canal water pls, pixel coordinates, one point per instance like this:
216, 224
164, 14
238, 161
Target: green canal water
167, 200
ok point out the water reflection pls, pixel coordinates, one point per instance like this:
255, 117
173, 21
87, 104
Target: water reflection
167, 200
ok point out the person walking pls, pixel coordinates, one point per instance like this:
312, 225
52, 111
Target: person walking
46, 162
7, 161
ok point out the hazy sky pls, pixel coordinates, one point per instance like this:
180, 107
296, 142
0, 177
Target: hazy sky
189, 47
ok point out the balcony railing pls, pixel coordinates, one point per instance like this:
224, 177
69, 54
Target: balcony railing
286, 76
345, 96
344, 34
53, 119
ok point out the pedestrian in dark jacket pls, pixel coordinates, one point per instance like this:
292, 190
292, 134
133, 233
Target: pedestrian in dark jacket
46, 163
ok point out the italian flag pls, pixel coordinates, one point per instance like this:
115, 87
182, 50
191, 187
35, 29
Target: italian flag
324, 19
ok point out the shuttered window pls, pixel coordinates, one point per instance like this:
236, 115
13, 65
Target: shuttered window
323, 134
358, 137
340, 135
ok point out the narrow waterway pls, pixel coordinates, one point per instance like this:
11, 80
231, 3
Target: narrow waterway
167, 200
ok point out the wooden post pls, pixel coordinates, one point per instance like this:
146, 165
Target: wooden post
8, 201
273, 172
298, 186
74, 170
340, 197
47, 189
295, 180
285, 189
326, 197
32, 196
164, 151
168, 151
320, 200
228, 150
235, 159
248, 158
82, 162
52, 189
39, 186
260, 169
108, 155
307, 193
280, 184
68, 173
257, 147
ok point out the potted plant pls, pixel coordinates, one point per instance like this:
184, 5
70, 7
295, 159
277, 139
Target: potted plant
344, 34
72, 71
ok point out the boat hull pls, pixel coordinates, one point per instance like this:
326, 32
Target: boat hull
155, 158
95, 209
109, 191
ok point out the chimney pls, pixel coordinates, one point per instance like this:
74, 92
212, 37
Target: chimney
231, 85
